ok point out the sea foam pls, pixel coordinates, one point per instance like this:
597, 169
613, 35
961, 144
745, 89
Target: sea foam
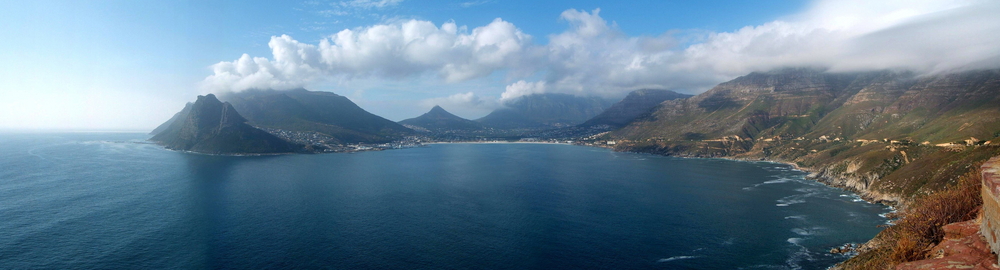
674, 258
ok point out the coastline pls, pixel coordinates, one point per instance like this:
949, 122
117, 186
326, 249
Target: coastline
821, 177
811, 173
818, 175
498, 142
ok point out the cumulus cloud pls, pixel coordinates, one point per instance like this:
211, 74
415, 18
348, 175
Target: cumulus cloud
594, 57
923, 36
386, 50
522, 88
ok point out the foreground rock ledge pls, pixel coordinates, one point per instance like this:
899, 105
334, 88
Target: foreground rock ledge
963, 247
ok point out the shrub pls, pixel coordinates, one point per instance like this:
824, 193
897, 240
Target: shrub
918, 227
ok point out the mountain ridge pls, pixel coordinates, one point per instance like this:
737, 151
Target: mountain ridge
545, 111
301, 110
855, 130
634, 105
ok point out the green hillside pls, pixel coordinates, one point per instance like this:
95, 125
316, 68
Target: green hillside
888, 135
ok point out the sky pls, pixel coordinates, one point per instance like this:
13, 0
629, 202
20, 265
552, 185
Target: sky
130, 65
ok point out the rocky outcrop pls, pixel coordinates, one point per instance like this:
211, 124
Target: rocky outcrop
990, 226
212, 127
962, 248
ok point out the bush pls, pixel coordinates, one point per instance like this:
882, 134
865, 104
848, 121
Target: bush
918, 227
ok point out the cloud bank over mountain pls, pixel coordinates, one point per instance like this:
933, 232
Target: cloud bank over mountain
594, 57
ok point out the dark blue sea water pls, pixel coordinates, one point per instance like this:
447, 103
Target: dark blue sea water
109, 201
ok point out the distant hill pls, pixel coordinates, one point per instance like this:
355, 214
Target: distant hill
438, 119
541, 111
636, 104
327, 113
212, 127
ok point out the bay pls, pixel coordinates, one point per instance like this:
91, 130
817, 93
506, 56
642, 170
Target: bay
110, 200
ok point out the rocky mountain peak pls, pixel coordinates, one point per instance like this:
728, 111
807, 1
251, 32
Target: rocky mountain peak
215, 127
438, 119
438, 111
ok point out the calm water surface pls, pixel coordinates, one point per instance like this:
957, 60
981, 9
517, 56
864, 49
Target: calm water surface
100, 201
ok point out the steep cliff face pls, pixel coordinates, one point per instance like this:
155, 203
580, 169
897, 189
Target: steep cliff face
212, 127
885, 134
635, 104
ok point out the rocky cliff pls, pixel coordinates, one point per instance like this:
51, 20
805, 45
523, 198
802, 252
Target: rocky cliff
212, 127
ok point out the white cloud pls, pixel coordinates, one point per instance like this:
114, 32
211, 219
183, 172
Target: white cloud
386, 50
463, 104
522, 88
594, 57
463, 99
923, 36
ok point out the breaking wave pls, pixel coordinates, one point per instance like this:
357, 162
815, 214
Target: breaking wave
674, 258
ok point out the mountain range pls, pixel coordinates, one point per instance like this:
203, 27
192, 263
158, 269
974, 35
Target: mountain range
857, 129
545, 111
310, 121
337, 119
885, 134
636, 104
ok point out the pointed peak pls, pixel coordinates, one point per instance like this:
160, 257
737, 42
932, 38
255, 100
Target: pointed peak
437, 111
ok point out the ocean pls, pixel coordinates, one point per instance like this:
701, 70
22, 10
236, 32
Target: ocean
114, 201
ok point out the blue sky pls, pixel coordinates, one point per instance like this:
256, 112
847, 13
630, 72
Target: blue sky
129, 65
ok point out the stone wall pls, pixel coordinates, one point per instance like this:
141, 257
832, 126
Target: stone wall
990, 226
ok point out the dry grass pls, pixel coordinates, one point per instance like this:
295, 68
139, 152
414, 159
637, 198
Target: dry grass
918, 228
